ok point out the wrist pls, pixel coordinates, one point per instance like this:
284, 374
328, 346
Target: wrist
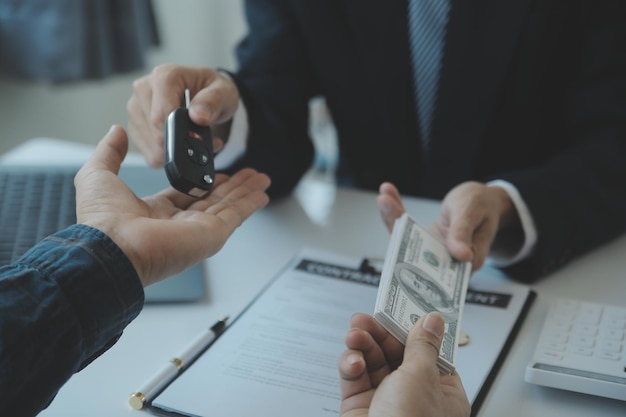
111, 231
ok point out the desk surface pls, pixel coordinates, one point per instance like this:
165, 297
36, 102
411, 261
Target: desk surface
348, 223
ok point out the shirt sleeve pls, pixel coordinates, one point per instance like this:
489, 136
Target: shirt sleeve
515, 250
236, 144
62, 304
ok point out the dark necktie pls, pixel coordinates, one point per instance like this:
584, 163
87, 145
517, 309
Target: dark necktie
427, 29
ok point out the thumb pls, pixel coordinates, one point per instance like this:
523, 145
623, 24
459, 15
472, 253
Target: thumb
389, 204
459, 239
109, 154
215, 103
424, 341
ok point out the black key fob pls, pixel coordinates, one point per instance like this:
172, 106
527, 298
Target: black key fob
188, 153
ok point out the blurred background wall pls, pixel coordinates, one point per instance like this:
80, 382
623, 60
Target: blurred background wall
194, 32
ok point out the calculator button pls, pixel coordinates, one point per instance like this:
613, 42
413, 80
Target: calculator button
586, 329
558, 338
611, 346
609, 355
616, 323
579, 350
583, 341
614, 334
560, 327
556, 347
548, 354
564, 317
589, 314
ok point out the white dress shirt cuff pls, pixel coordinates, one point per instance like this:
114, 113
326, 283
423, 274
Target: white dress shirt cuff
237, 141
502, 258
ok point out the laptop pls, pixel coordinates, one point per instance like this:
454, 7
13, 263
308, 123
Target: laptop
38, 201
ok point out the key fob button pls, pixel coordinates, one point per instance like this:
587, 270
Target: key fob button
196, 152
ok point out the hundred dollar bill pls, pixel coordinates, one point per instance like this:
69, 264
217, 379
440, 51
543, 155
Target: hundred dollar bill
420, 276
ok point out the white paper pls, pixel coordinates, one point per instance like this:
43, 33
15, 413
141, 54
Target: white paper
281, 355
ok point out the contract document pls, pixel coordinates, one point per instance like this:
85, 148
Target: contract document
279, 356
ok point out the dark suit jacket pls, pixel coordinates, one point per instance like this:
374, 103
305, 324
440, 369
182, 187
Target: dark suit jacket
531, 91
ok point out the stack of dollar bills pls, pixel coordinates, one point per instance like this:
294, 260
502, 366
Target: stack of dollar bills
420, 276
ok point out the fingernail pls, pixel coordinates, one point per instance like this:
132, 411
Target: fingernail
434, 323
203, 111
354, 358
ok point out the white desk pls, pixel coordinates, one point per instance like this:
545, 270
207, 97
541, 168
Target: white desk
264, 244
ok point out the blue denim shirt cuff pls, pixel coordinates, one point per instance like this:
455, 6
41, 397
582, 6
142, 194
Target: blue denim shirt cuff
98, 281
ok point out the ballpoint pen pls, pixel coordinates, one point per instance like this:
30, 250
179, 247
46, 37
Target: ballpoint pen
169, 371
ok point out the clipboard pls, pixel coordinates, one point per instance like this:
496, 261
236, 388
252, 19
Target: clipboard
279, 356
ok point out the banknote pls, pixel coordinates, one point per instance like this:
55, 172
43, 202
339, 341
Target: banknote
420, 276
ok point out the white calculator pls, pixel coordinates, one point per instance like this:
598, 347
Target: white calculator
582, 348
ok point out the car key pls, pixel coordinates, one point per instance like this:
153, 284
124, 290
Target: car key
188, 153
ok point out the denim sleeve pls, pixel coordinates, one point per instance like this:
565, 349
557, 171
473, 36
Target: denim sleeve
62, 304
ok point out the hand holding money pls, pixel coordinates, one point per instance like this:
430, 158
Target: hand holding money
380, 378
420, 276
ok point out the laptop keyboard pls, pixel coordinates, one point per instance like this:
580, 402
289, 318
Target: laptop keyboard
38, 201
34, 205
